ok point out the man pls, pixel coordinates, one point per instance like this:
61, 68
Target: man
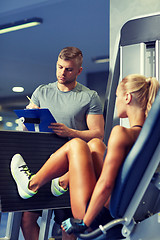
77, 111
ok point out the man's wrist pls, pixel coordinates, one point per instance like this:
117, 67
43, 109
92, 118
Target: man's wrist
73, 133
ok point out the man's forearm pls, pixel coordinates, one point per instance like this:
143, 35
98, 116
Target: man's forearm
87, 135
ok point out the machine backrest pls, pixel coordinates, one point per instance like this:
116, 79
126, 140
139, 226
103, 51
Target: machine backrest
136, 162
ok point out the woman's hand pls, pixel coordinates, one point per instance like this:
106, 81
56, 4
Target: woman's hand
72, 225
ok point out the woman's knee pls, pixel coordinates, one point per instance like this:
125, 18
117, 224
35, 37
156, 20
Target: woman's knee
76, 143
97, 149
95, 143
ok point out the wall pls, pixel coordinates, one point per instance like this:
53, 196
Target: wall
122, 11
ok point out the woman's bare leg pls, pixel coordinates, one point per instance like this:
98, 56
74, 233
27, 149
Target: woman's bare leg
64, 181
54, 167
97, 149
81, 177
74, 156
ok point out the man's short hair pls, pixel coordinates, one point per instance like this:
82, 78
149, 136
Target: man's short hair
70, 53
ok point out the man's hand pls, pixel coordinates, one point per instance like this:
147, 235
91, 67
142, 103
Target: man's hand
32, 106
72, 225
61, 129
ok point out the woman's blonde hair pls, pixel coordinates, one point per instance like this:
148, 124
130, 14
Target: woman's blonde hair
143, 89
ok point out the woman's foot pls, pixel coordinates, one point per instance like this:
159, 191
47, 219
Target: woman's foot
22, 176
56, 189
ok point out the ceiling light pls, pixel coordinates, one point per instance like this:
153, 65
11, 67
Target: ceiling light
9, 124
100, 60
17, 89
20, 25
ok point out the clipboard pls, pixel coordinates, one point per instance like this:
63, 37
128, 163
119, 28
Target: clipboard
40, 118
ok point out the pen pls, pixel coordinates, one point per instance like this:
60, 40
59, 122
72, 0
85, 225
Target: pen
32, 102
30, 99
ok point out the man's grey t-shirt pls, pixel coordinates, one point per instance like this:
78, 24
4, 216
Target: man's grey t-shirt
69, 107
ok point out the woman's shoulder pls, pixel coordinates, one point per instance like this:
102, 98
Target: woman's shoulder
120, 135
120, 130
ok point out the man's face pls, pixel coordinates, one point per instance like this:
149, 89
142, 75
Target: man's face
67, 71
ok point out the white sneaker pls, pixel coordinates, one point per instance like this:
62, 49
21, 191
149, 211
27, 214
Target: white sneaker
22, 176
56, 189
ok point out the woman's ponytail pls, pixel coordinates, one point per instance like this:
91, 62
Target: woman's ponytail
153, 87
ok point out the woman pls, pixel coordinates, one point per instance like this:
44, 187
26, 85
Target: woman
135, 95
